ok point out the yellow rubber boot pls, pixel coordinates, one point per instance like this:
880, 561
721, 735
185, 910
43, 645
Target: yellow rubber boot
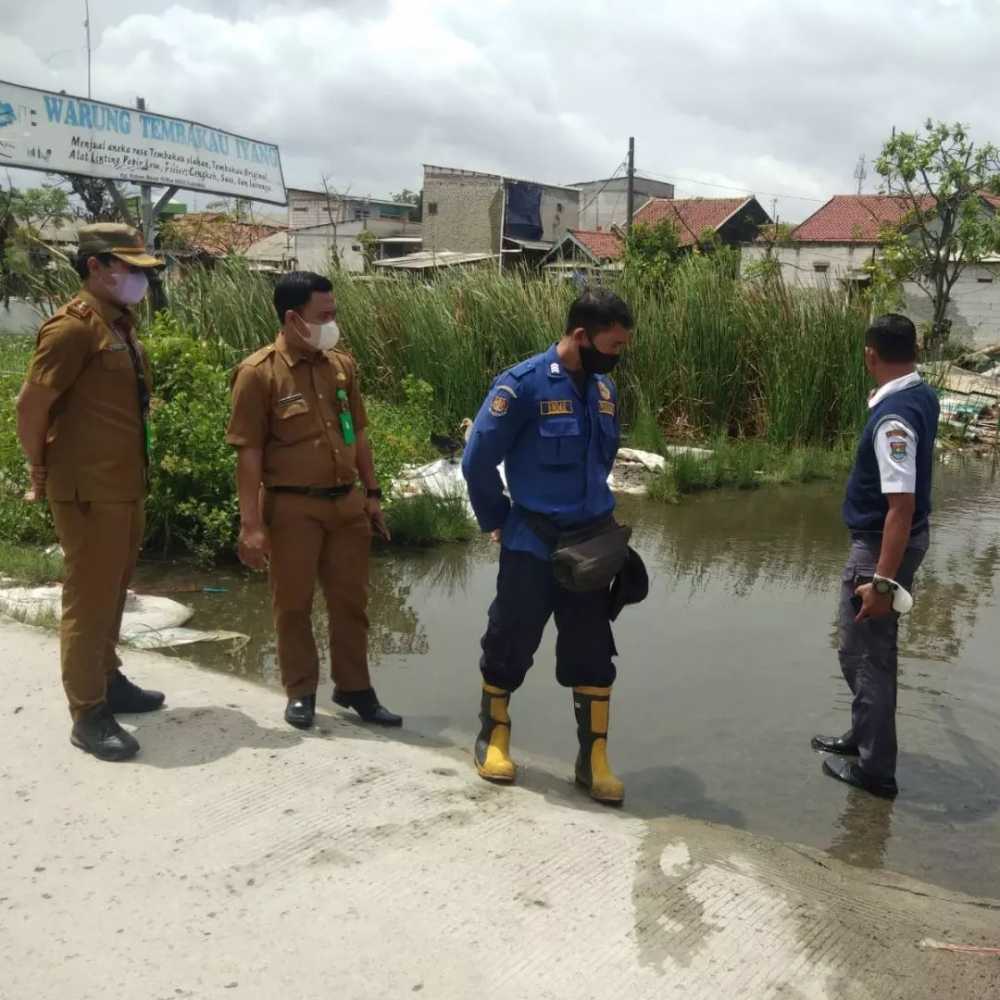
592, 768
493, 743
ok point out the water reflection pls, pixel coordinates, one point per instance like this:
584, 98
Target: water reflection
863, 830
726, 671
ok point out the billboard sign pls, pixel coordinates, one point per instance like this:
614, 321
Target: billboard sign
41, 130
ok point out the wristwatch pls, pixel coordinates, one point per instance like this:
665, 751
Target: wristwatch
375, 494
883, 585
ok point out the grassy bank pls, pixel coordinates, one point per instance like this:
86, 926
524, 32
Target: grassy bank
30, 565
747, 465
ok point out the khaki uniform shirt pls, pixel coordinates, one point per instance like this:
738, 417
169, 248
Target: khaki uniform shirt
95, 448
285, 403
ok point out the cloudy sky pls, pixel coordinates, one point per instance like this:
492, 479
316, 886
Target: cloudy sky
778, 97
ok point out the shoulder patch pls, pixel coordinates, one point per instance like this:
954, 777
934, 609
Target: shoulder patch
79, 309
524, 368
259, 357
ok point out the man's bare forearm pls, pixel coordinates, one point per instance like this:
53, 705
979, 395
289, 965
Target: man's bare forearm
895, 539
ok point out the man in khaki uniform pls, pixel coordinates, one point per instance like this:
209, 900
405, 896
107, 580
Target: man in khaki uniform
82, 425
298, 423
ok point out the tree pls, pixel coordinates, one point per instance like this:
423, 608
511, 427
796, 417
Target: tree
940, 176
408, 197
98, 204
652, 249
23, 216
772, 236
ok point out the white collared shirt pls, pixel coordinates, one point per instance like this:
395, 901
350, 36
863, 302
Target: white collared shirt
896, 441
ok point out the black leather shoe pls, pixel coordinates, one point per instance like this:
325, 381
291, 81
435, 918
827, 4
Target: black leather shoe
97, 732
843, 745
299, 712
851, 774
127, 698
367, 705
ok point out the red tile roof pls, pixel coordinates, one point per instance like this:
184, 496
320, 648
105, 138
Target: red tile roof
691, 216
852, 218
603, 245
215, 234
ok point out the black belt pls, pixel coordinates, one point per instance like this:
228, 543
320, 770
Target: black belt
327, 492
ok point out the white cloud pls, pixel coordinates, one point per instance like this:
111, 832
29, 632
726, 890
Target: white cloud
758, 94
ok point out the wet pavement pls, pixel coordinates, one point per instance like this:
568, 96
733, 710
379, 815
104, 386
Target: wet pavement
725, 672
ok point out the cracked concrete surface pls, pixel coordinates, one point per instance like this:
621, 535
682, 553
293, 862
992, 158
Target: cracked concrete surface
236, 857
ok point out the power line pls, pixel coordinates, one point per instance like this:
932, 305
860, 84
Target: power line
600, 190
727, 187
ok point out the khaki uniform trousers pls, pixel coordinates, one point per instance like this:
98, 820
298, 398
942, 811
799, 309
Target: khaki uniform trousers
330, 539
101, 543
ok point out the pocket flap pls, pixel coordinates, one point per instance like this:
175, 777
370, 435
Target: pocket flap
293, 409
558, 427
114, 359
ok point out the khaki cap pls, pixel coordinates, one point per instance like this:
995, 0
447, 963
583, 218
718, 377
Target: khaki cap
121, 241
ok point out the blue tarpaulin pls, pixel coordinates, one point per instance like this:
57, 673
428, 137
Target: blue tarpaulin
523, 220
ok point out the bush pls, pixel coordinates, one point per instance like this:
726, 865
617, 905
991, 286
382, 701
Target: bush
28, 523
192, 504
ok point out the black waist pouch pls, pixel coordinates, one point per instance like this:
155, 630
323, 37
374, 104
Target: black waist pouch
585, 558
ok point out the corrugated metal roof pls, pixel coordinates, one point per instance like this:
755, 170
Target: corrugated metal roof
427, 259
530, 244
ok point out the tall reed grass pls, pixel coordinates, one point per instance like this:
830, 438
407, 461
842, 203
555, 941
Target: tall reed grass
711, 355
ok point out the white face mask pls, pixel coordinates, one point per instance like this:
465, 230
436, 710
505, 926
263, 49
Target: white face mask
324, 336
130, 287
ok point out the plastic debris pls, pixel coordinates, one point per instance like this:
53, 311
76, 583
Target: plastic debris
149, 622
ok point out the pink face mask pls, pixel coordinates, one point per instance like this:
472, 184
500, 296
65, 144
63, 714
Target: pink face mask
129, 287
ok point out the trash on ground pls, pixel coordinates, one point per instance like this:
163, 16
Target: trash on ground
148, 622
972, 949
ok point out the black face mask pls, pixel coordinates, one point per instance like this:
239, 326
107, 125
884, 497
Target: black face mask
596, 362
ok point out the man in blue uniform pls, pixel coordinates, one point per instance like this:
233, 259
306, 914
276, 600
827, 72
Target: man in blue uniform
887, 507
553, 421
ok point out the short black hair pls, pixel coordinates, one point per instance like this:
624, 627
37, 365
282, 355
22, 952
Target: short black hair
893, 337
296, 288
596, 310
80, 263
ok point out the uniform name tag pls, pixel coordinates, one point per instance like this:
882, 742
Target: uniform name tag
556, 407
117, 347
606, 407
294, 398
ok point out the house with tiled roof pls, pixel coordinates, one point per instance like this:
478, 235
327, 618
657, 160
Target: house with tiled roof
833, 247
732, 221
587, 249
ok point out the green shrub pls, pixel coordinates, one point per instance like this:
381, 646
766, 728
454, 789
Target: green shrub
28, 523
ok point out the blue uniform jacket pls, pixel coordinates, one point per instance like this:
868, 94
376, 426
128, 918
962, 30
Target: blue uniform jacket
558, 448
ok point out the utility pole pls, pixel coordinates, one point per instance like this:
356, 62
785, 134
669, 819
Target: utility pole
148, 212
630, 199
146, 198
86, 24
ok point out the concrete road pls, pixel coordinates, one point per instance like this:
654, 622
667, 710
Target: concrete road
236, 857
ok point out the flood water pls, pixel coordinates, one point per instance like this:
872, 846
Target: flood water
725, 672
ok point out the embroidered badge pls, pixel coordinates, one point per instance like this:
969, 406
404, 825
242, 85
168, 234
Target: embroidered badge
896, 432
498, 405
606, 407
603, 390
556, 407
506, 388
554, 368
898, 448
